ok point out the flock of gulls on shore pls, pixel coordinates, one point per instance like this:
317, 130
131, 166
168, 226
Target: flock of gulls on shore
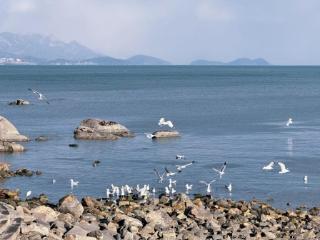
115, 192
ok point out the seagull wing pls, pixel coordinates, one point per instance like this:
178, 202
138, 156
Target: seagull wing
157, 173
203, 182
170, 124
166, 169
216, 170
212, 181
282, 166
223, 167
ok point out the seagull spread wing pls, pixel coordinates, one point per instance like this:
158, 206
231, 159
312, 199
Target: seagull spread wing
203, 182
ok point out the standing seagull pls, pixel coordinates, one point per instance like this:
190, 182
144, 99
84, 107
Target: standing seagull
221, 171
269, 166
163, 122
28, 194
188, 188
160, 177
283, 168
305, 179
41, 97
229, 187
289, 122
208, 185
73, 183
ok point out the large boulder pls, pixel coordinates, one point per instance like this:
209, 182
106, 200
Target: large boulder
165, 134
9, 133
10, 147
70, 204
97, 129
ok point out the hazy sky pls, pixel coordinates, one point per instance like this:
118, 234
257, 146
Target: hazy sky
281, 31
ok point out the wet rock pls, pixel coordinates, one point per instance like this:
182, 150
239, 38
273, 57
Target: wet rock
10, 146
41, 139
96, 129
19, 102
165, 134
70, 204
24, 172
9, 133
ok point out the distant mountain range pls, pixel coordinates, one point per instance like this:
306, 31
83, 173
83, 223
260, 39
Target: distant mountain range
46, 50
239, 61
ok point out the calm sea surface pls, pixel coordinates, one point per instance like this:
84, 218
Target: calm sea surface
233, 114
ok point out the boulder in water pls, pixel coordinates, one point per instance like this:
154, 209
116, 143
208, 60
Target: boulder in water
96, 129
19, 102
9, 133
165, 134
10, 147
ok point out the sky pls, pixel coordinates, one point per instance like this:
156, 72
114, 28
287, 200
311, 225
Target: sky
281, 31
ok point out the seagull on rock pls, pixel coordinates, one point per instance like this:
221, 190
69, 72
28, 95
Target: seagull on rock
283, 168
163, 122
269, 166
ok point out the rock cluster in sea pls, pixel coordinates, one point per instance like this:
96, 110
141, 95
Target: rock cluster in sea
6, 172
178, 217
97, 129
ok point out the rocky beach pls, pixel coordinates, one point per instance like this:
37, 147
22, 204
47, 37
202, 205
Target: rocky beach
176, 217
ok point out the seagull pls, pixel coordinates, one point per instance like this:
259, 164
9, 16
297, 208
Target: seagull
208, 185
221, 171
180, 157
283, 168
160, 177
180, 167
229, 187
41, 97
269, 166
108, 193
149, 135
172, 182
167, 191
188, 188
73, 183
305, 179
173, 191
28, 194
289, 122
163, 122
95, 163
169, 173
53, 181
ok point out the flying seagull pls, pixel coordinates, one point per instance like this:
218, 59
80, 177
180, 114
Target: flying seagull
160, 177
221, 171
169, 173
163, 122
229, 187
283, 168
289, 122
180, 167
208, 185
149, 135
41, 97
269, 166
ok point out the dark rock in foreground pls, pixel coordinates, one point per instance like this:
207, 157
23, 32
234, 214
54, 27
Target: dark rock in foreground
96, 129
178, 217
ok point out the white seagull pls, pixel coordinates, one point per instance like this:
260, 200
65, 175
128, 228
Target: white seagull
41, 97
269, 166
53, 181
160, 177
169, 173
163, 122
149, 135
172, 182
208, 185
180, 167
108, 193
28, 194
167, 191
73, 183
289, 122
180, 157
305, 179
283, 168
188, 188
229, 187
222, 169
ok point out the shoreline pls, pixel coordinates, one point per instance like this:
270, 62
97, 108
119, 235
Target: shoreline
164, 217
